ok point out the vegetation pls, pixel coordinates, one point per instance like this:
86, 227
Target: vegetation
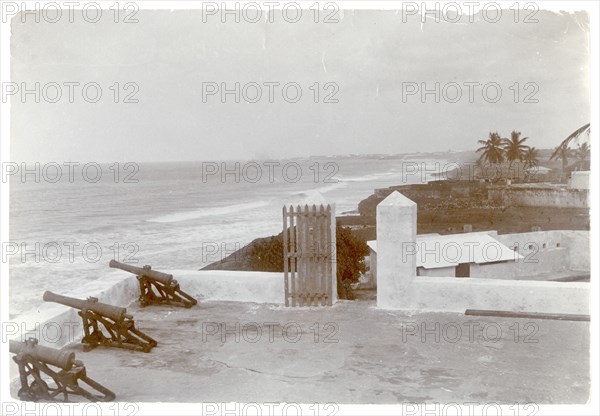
350, 254
583, 152
496, 151
493, 151
531, 158
581, 130
267, 255
514, 147
563, 151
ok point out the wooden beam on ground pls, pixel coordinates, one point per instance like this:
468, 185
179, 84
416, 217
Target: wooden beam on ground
528, 315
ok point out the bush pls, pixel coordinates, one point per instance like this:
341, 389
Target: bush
267, 255
350, 253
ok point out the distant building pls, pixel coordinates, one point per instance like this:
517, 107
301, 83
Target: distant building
453, 255
560, 255
537, 171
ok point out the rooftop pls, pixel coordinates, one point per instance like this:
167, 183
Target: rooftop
360, 354
435, 251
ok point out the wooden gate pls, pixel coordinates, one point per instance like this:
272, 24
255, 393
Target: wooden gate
309, 255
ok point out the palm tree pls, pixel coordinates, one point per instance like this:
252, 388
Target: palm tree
563, 152
531, 157
583, 152
514, 147
493, 151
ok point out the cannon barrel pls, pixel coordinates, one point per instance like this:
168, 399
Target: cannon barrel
114, 312
52, 356
139, 271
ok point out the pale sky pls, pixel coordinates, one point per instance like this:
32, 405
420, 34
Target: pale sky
370, 55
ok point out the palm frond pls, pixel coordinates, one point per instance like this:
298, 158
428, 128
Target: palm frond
575, 134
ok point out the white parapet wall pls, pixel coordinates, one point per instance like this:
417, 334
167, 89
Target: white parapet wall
224, 285
398, 287
56, 325
434, 294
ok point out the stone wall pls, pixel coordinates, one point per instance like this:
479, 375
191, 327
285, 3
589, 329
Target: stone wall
540, 197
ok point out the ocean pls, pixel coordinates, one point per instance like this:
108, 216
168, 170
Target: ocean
63, 232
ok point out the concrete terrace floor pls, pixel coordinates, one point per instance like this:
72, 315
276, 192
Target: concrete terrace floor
365, 355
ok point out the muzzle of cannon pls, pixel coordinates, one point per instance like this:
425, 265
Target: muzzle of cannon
34, 359
105, 324
156, 287
164, 278
114, 312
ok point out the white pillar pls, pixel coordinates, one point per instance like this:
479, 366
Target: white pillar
334, 293
396, 240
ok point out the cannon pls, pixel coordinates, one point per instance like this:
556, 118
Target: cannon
34, 359
156, 287
119, 327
